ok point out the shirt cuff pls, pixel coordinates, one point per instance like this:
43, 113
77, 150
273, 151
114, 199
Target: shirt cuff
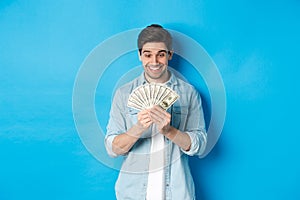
198, 143
108, 145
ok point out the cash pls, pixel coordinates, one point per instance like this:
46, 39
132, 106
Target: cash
149, 95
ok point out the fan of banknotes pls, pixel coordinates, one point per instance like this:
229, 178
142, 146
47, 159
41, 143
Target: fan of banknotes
149, 95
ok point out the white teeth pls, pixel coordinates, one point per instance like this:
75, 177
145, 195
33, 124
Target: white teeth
157, 67
154, 68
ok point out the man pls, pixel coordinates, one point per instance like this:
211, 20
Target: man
155, 143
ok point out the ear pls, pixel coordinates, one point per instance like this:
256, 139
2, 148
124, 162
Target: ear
139, 54
170, 55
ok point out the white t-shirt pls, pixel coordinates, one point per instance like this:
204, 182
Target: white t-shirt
155, 189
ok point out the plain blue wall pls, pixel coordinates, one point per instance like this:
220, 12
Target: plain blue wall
255, 45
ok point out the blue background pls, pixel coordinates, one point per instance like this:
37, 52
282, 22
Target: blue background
255, 45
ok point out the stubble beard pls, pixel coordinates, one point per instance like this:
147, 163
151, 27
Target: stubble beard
159, 76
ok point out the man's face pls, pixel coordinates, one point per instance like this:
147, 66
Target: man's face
155, 57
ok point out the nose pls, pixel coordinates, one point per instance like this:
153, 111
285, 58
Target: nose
154, 59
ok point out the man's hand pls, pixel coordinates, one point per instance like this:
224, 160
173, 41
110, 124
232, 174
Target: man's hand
161, 118
122, 143
144, 120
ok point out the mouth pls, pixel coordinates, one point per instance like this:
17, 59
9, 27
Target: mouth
155, 68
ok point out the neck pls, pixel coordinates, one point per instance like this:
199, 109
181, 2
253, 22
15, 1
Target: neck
162, 79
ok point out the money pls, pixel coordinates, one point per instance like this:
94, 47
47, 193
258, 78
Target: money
168, 100
135, 105
149, 95
153, 93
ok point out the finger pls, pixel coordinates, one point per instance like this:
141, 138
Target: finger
147, 123
155, 111
143, 114
159, 115
156, 120
158, 109
146, 120
155, 116
160, 121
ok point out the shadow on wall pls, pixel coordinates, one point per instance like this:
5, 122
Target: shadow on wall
201, 169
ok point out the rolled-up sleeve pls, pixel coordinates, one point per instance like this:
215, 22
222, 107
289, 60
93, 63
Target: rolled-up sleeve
108, 145
195, 126
116, 124
198, 143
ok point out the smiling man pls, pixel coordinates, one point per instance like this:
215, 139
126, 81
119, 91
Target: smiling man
155, 143
154, 57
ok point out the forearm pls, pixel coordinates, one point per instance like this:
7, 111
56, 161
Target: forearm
124, 142
183, 140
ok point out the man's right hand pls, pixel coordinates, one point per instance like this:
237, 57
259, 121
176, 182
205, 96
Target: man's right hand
122, 143
144, 120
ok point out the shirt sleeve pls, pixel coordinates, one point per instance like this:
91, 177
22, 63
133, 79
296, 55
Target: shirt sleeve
116, 124
195, 126
198, 143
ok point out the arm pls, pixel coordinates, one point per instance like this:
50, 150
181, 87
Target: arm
162, 119
183, 140
122, 143
195, 125
121, 134
192, 138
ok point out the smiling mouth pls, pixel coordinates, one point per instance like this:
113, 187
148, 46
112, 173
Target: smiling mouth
155, 67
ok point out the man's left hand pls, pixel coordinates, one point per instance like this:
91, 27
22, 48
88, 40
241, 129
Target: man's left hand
161, 118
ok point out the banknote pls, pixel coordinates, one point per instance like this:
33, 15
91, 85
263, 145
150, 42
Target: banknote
134, 105
142, 96
161, 92
147, 92
152, 94
135, 98
149, 95
168, 100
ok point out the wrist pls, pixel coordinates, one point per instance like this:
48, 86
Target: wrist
170, 132
139, 128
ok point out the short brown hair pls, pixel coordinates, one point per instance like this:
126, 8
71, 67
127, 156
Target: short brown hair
154, 33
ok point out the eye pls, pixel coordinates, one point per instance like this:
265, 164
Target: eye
162, 55
147, 55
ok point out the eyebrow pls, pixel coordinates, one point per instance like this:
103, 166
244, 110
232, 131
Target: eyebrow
148, 51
